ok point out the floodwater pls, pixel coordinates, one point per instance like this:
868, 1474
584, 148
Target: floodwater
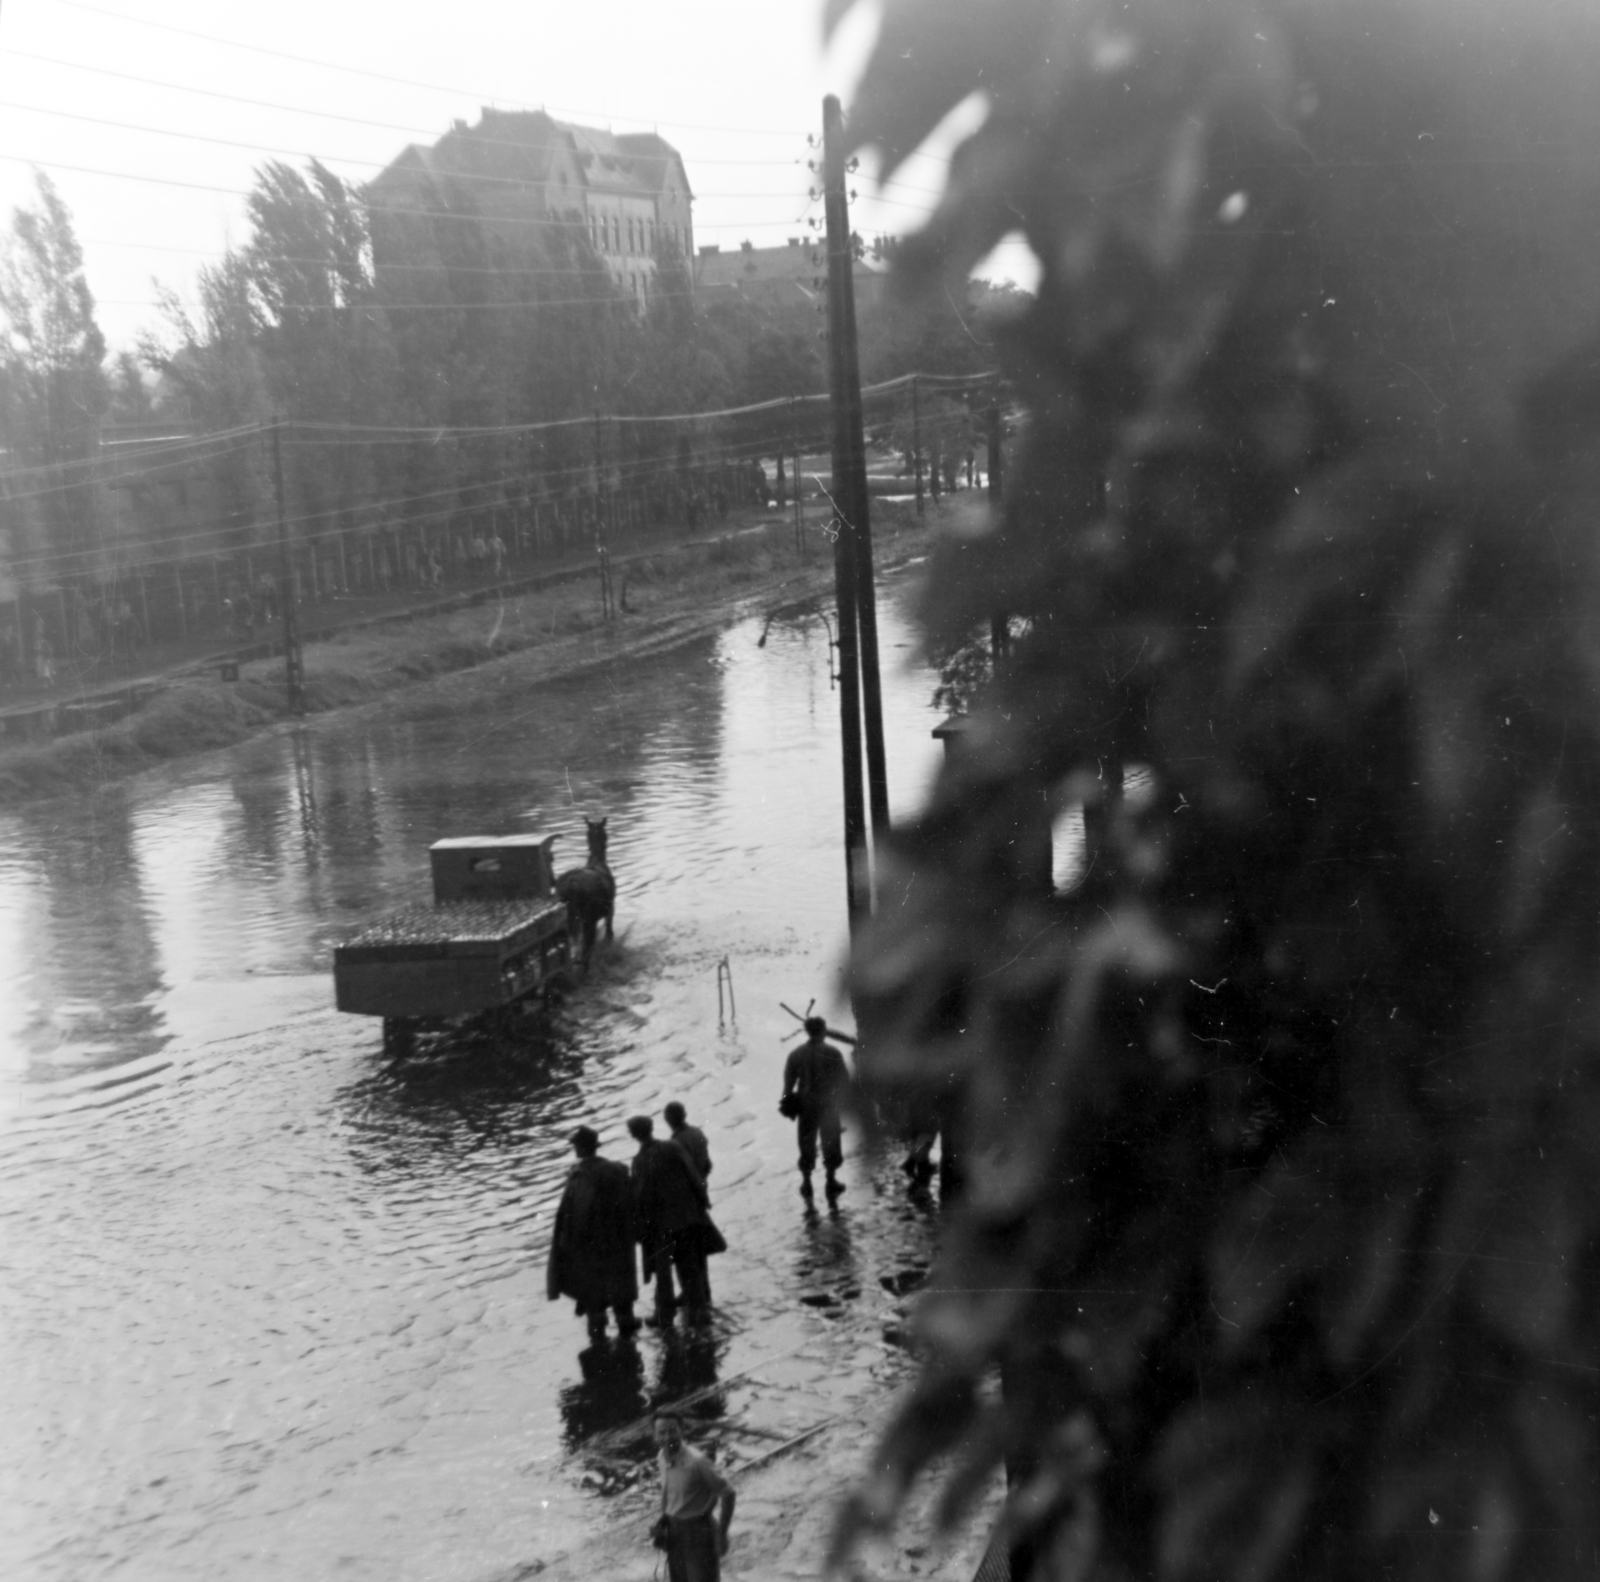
272, 1309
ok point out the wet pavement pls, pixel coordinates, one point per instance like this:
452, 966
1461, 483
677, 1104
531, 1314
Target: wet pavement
271, 1308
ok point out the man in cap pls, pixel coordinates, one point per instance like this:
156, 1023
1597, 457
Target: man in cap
689, 1138
669, 1205
591, 1251
816, 1081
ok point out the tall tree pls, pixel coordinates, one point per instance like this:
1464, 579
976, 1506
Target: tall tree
212, 378
324, 343
53, 353
1281, 1223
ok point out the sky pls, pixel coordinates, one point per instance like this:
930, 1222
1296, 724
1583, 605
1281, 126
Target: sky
151, 115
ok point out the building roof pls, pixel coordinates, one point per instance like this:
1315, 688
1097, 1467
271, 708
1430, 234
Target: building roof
638, 161
521, 145
802, 263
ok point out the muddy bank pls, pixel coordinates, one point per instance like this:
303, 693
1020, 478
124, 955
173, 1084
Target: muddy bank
664, 598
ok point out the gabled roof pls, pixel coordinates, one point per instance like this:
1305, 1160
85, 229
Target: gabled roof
632, 162
520, 145
514, 146
656, 156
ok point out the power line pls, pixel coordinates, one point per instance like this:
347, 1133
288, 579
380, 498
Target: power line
404, 82
377, 304
215, 93
612, 469
343, 159
186, 442
507, 271
403, 211
624, 472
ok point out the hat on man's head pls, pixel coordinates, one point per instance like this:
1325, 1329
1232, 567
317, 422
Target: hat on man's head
641, 1126
586, 1139
816, 1027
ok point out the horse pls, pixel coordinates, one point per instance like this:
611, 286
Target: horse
590, 892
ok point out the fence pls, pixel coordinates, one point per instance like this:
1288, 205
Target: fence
188, 537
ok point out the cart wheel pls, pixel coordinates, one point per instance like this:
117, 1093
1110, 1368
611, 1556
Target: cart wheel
399, 1036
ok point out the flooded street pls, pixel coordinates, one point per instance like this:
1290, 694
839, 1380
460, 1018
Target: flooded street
271, 1309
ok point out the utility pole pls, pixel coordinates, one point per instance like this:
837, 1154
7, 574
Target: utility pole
799, 509
599, 527
853, 572
916, 440
294, 679
999, 626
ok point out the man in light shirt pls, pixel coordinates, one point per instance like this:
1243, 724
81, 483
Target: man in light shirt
698, 1504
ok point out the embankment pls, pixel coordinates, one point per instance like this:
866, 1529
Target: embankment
664, 598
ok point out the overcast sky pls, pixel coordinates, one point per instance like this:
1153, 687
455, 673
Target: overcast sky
150, 115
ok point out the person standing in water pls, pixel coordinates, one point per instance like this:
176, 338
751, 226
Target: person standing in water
816, 1082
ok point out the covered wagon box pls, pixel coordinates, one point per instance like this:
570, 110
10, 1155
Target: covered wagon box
495, 934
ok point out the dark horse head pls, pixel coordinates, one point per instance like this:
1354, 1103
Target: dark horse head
590, 892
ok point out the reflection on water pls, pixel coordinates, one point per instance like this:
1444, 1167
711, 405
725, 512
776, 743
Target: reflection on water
273, 1308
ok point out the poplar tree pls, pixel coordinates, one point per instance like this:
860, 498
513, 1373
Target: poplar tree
51, 357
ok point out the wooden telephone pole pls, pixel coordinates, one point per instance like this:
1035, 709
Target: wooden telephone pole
860, 689
294, 676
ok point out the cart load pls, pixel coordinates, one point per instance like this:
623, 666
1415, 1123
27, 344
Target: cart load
494, 937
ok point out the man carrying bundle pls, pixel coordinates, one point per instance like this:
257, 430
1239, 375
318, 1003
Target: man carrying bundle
816, 1082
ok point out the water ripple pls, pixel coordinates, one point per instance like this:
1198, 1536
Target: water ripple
254, 1273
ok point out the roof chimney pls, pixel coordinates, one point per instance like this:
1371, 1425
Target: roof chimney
458, 126
747, 247
794, 241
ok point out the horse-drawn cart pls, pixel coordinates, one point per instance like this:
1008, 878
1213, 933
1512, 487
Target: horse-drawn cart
495, 937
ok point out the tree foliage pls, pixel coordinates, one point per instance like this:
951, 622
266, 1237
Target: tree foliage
1282, 1204
55, 387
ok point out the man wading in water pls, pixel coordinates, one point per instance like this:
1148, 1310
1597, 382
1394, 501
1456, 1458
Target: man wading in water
591, 1249
815, 1082
670, 1216
691, 1491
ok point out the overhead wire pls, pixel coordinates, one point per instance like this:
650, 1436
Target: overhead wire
406, 211
626, 473
168, 86
617, 471
185, 443
404, 82
342, 159
608, 117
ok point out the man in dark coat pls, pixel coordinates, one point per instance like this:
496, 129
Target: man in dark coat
669, 1205
591, 1252
816, 1082
689, 1138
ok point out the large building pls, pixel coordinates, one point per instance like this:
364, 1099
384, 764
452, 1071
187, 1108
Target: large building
521, 170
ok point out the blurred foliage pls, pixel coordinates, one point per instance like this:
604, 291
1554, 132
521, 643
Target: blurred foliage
1282, 1188
966, 666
